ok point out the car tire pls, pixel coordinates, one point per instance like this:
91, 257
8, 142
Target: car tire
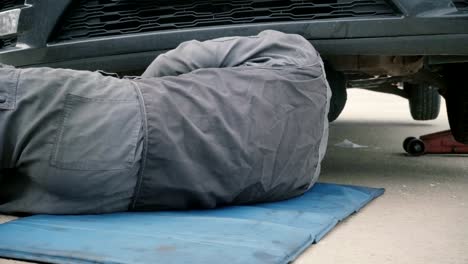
337, 82
424, 101
456, 97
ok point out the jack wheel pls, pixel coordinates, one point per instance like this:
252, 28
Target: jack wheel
405, 143
415, 147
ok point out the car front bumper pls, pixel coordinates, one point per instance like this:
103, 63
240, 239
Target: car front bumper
418, 27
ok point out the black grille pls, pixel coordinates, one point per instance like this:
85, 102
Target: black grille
97, 18
7, 42
8, 4
461, 5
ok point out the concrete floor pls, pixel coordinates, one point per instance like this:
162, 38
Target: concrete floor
422, 217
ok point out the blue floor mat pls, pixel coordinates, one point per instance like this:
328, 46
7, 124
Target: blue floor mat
263, 233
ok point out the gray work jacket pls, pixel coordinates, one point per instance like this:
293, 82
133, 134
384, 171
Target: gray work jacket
232, 121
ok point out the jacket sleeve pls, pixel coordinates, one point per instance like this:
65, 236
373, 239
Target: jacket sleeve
268, 49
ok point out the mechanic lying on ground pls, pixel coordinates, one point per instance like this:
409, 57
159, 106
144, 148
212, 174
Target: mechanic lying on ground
228, 121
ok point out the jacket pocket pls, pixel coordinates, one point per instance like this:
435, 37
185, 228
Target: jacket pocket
8, 88
97, 134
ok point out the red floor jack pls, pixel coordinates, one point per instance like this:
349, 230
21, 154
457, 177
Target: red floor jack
435, 143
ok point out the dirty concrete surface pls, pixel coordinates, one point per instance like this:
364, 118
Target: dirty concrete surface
422, 217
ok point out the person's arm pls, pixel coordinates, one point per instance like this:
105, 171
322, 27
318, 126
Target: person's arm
269, 48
